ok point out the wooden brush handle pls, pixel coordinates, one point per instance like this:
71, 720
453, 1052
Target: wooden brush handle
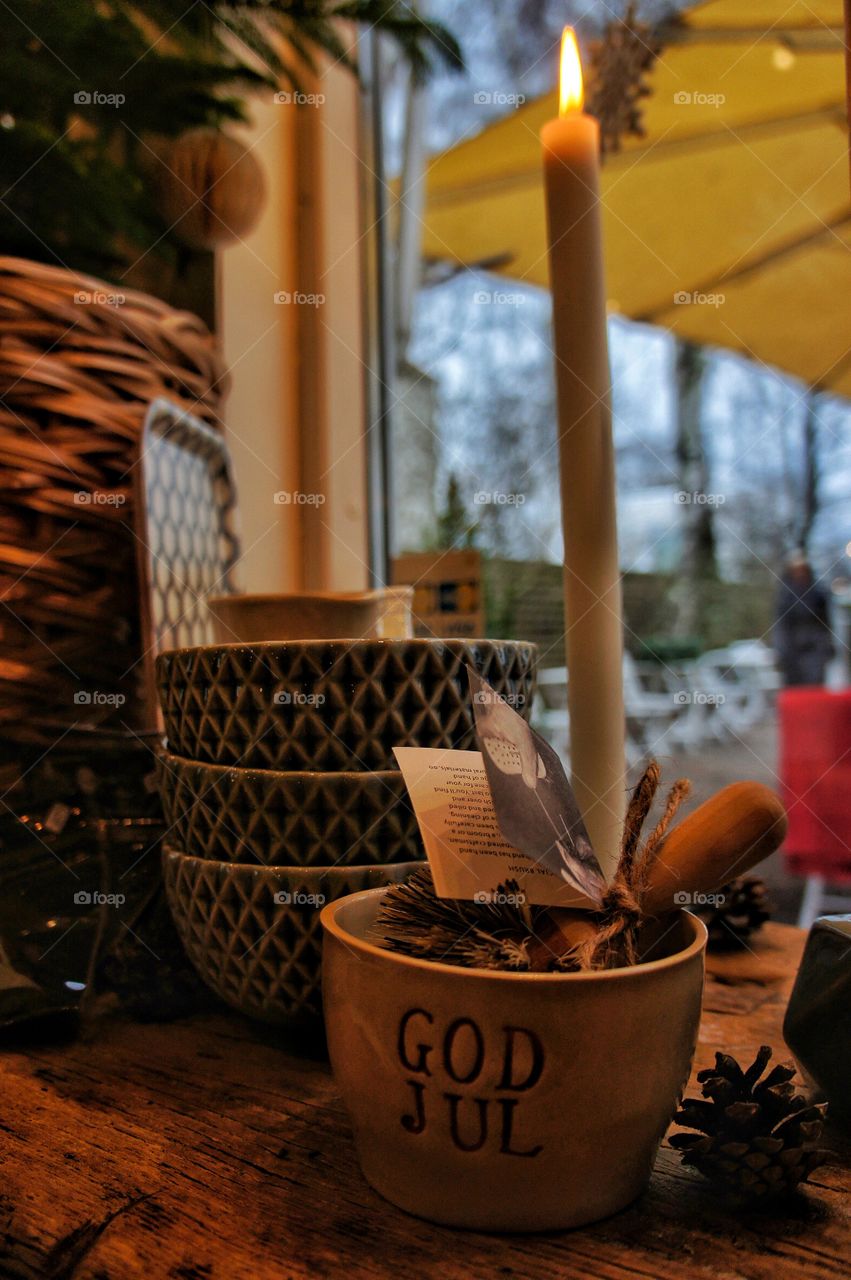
724, 838
733, 831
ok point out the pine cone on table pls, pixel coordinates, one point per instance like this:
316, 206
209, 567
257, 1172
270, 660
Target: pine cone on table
756, 1138
743, 909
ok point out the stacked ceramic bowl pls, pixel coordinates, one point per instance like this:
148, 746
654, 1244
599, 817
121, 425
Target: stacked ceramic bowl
282, 793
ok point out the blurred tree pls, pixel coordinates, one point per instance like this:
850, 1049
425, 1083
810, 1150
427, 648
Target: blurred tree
454, 530
810, 494
494, 415
752, 423
698, 565
86, 86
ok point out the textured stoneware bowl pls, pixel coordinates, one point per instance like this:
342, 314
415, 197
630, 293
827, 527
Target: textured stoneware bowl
507, 1101
253, 933
287, 819
315, 615
331, 705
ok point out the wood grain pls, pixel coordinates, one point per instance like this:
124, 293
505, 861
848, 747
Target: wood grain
212, 1150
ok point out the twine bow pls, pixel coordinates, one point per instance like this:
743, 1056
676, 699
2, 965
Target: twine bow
616, 939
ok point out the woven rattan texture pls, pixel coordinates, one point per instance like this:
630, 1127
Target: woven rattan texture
79, 364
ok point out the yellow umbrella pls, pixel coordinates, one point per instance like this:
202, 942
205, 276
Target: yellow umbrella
729, 223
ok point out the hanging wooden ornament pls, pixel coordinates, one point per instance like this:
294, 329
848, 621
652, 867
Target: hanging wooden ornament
210, 188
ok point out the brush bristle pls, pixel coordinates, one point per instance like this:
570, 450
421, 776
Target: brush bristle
473, 935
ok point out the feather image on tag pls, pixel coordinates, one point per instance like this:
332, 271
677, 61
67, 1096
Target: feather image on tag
532, 797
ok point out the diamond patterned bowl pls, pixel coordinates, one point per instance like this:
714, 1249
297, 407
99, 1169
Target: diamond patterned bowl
331, 705
253, 933
291, 819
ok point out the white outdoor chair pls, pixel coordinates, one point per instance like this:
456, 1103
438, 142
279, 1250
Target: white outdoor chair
736, 694
651, 713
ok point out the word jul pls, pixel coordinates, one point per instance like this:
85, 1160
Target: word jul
483, 1110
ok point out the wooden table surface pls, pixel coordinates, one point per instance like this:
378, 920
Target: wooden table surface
203, 1150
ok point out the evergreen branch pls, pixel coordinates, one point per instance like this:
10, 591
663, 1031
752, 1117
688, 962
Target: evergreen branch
76, 189
420, 39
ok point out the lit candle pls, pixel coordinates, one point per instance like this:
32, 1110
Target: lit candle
592, 588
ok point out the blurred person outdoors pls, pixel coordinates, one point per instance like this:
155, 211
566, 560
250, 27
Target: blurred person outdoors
803, 639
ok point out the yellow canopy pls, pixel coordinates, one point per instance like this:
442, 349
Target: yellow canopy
738, 197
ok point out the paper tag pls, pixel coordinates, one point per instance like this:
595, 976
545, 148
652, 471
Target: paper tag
468, 854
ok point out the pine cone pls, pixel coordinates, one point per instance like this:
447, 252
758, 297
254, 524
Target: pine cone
757, 1138
744, 909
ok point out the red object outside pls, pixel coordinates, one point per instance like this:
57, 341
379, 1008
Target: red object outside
815, 772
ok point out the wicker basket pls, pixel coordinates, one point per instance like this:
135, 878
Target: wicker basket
80, 362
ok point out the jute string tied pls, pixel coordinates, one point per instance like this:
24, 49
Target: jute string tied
616, 939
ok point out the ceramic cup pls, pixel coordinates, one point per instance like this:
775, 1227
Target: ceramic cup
313, 615
507, 1101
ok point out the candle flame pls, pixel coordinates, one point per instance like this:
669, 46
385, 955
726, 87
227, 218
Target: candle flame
571, 95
